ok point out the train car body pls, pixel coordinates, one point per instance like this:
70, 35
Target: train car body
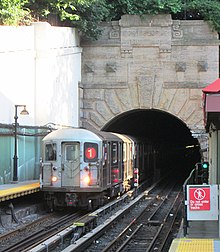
81, 168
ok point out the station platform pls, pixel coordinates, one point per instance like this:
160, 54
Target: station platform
202, 236
15, 190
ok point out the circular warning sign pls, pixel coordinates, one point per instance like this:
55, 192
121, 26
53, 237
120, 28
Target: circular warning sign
90, 153
199, 194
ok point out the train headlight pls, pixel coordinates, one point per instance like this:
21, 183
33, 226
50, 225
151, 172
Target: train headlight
54, 179
86, 180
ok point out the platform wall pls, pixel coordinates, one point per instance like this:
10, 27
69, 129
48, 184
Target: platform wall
40, 68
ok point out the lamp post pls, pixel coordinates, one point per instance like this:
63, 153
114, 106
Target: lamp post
15, 164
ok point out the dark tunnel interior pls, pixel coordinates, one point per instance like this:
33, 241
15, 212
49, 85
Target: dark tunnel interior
168, 134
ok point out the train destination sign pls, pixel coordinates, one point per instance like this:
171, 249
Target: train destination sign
199, 198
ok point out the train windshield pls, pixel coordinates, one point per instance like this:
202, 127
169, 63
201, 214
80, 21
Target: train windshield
72, 152
50, 152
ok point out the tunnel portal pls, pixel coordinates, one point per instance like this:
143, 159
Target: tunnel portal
171, 140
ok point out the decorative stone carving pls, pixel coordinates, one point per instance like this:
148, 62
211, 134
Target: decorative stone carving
165, 50
111, 68
177, 31
202, 66
180, 67
126, 53
89, 68
115, 32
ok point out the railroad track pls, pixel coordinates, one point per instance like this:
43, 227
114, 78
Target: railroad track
149, 230
150, 233
111, 227
27, 235
141, 202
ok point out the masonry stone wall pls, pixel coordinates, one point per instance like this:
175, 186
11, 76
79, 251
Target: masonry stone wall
150, 62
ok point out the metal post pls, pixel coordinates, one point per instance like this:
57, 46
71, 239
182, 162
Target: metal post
15, 166
15, 163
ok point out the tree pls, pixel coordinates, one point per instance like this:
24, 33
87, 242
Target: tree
88, 14
13, 12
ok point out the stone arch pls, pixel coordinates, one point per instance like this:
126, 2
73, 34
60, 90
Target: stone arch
149, 63
103, 105
164, 132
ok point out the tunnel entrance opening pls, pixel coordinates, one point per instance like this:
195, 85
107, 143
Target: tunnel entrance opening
173, 144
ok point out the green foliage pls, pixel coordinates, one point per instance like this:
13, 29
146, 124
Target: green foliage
83, 14
141, 7
13, 12
91, 14
208, 10
88, 14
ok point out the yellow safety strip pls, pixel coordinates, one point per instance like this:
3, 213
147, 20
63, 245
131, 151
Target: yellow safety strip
20, 190
192, 245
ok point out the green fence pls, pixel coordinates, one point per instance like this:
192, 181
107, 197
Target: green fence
28, 152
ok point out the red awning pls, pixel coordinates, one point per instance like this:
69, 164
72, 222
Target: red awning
214, 87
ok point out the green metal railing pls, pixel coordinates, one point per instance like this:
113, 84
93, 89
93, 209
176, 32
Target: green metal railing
29, 151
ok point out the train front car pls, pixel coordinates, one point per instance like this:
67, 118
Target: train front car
71, 167
81, 168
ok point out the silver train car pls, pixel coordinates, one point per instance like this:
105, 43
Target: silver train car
81, 168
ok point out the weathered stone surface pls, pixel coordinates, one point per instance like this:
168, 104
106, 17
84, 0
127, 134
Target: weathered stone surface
103, 109
93, 94
96, 120
166, 99
125, 99
152, 62
112, 98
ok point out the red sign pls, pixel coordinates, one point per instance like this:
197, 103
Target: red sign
90, 153
199, 198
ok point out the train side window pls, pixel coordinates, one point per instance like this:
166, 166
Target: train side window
105, 153
114, 153
50, 152
124, 152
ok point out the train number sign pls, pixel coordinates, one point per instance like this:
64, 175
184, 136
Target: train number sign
199, 198
90, 152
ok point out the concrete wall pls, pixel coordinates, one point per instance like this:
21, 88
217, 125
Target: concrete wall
40, 67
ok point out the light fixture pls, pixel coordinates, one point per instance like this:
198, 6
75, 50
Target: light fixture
24, 111
15, 163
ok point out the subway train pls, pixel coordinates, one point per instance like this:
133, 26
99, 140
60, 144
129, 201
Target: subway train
83, 168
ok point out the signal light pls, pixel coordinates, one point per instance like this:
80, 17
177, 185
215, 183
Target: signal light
136, 177
136, 171
205, 172
205, 165
115, 171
